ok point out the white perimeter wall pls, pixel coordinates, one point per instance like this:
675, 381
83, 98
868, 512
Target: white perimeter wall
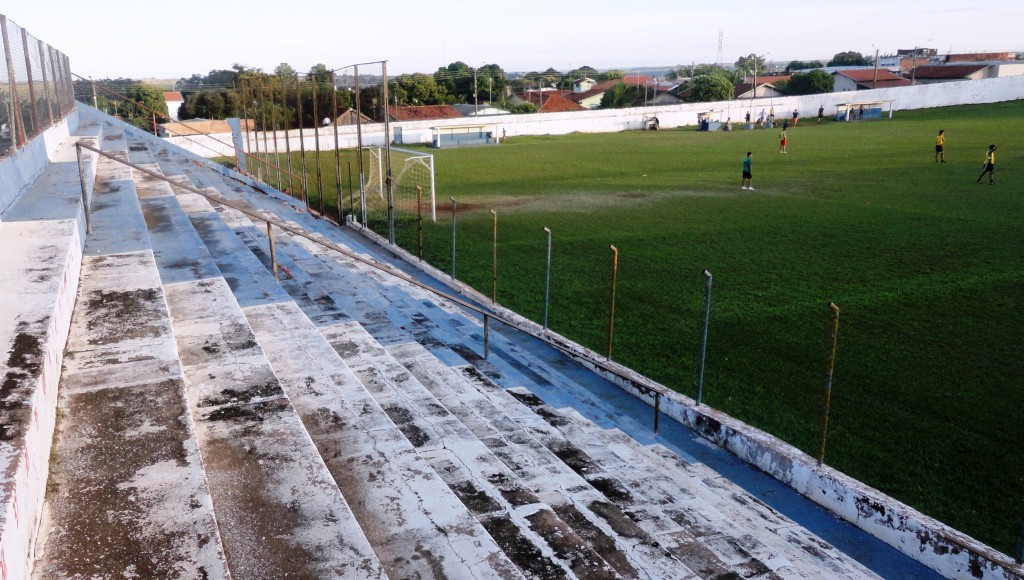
612, 120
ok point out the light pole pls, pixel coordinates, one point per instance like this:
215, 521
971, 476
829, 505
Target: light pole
547, 281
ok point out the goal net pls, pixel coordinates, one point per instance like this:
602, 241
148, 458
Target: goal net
409, 170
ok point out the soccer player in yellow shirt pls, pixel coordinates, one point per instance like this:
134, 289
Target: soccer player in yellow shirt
990, 165
940, 146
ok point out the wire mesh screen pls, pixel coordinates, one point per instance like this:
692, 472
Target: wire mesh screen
35, 82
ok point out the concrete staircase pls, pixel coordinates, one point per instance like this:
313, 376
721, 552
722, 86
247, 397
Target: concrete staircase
215, 421
383, 376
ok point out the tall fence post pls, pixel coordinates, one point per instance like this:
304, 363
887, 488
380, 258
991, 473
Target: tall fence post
454, 206
36, 121
17, 121
704, 337
547, 281
273, 251
611, 317
494, 261
830, 366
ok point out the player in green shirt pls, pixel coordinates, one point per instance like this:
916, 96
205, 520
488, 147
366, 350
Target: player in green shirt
748, 161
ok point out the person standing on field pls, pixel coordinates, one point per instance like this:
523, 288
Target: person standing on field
782, 141
821, 113
990, 165
940, 147
748, 161
796, 117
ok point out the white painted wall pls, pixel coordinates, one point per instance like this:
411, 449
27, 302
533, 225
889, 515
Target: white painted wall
612, 120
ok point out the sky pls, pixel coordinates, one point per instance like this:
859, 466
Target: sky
177, 39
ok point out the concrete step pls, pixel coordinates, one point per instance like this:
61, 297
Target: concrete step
364, 451
715, 516
469, 468
39, 277
123, 396
538, 472
276, 502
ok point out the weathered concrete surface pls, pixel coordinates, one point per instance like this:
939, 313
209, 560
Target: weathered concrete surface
127, 494
38, 282
277, 505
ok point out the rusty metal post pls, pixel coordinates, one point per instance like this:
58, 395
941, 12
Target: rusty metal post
17, 123
36, 121
287, 137
316, 139
454, 206
263, 126
302, 140
246, 125
337, 144
494, 261
486, 336
611, 317
547, 280
58, 93
153, 120
273, 127
273, 251
830, 366
86, 206
42, 65
359, 147
388, 180
704, 337
657, 410
419, 217
351, 192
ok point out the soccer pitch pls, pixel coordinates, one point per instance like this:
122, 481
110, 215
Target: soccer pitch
926, 266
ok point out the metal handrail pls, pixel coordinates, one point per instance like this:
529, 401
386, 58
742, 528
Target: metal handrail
645, 388
187, 136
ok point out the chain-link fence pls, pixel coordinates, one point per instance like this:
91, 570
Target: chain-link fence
35, 87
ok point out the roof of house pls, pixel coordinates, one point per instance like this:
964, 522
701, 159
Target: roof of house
424, 112
552, 101
350, 117
594, 91
955, 71
865, 77
173, 96
201, 127
639, 80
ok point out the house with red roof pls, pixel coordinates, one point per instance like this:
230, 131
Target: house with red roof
174, 101
867, 78
551, 101
424, 113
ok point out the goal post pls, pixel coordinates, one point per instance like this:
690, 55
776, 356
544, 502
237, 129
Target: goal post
409, 170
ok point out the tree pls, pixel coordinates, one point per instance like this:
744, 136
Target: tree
285, 71
803, 65
491, 81
418, 89
611, 75
848, 58
457, 81
712, 87
811, 83
750, 63
621, 96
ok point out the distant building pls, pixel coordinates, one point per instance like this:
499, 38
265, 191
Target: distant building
550, 101
481, 110
765, 87
199, 127
424, 113
867, 78
350, 117
981, 57
966, 72
174, 101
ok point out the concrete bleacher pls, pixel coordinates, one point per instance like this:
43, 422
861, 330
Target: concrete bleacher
333, 422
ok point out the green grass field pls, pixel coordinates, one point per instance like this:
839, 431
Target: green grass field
926, 266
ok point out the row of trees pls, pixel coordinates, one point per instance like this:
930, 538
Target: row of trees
277, 97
